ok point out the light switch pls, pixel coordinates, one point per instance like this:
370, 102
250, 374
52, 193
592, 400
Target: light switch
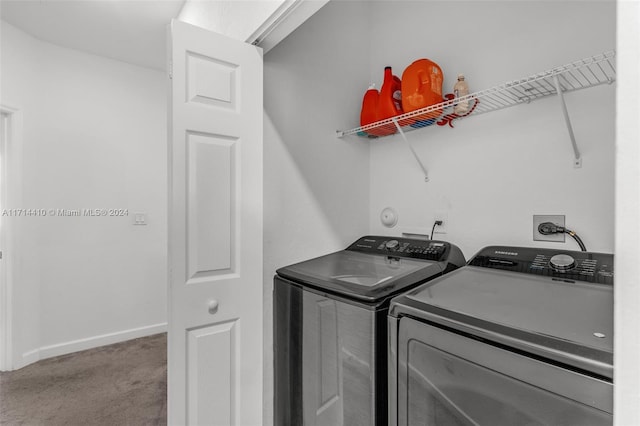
139, 218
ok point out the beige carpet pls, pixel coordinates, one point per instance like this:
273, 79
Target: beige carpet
120, 384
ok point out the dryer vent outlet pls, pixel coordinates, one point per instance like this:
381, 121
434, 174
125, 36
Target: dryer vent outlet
556, 220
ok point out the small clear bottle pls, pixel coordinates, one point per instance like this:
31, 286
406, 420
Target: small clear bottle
460, 89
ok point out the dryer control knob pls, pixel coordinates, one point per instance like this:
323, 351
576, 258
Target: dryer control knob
562, 262
391, 244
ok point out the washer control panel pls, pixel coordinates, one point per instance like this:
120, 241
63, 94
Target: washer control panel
402, 247
565, 265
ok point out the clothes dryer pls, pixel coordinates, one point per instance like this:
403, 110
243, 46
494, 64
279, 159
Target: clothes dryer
519, 336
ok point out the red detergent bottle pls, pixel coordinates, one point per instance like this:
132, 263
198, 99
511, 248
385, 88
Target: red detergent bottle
369, 112
422, 87
390, 102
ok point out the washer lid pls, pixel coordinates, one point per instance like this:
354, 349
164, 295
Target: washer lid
361, 276
563, 320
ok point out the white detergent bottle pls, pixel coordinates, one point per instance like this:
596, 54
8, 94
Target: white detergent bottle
460, 90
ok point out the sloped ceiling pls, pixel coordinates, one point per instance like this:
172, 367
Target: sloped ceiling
132, 31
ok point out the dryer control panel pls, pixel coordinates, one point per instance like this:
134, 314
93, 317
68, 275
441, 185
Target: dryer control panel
402, 247
565, 265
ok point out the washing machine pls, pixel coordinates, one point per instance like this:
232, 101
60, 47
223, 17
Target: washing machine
330, 353
519, 336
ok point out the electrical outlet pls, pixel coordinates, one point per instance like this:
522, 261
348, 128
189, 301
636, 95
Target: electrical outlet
444, 217
556, 220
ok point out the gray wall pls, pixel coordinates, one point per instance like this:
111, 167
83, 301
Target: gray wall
94, 137
492, 172
316, 191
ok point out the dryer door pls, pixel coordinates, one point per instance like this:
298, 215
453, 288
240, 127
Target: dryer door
448, 379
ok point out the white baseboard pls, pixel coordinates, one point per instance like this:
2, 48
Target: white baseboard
27, 358
88, 343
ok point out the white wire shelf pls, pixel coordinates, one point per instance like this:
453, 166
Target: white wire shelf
588, 72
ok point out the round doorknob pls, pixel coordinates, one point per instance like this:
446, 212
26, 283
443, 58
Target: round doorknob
213, 306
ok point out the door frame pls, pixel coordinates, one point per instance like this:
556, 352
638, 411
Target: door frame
11, 196
284, 20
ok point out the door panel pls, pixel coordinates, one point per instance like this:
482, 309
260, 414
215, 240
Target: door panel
215, 229
210, 352
212, 195
211, 81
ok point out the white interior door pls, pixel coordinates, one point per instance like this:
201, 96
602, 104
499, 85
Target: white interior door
215, 229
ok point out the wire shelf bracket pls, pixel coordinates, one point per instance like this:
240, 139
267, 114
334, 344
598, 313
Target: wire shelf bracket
413, 151
577, 161
589, 72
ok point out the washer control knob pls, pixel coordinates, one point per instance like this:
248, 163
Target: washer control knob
562, 262
391, 244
